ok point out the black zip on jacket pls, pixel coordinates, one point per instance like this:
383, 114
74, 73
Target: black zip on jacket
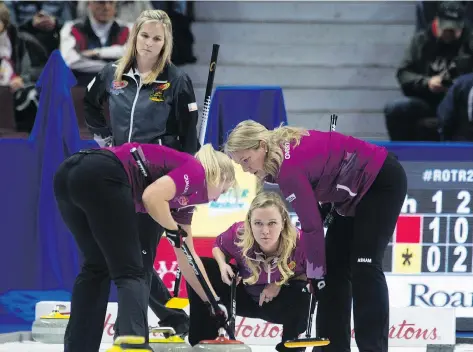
163, 112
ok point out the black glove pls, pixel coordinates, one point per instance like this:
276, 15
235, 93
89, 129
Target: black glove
221, 315
176, 237
316, 286
324, 209
327, 211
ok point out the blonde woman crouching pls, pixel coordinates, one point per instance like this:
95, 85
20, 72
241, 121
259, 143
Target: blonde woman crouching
271, 270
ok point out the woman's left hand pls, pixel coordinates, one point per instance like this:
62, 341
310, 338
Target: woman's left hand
269, 293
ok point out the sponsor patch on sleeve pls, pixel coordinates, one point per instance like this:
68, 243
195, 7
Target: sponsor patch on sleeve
291, 198
192, 106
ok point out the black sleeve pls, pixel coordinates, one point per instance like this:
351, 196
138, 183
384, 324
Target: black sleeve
187, 115
95, 95
408, 74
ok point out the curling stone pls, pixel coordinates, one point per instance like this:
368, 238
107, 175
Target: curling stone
165, 339
222, 344
52, 327
129, 344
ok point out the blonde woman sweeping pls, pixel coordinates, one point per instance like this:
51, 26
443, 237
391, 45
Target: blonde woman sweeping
98, 192
367, 186
272, 270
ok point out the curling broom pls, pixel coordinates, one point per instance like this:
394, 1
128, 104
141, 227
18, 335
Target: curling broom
308, 341
179, 302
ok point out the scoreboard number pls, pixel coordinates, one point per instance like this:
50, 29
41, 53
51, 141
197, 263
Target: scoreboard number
435, 227
460, 259
459, 265
434, 259
460, 230
437, 199
465, 198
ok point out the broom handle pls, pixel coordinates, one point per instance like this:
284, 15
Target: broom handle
310, 318
232, 317
177, 283
205, 287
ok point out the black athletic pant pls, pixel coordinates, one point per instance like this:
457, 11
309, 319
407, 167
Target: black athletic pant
150, 235
290, 308
94, 197
355, 248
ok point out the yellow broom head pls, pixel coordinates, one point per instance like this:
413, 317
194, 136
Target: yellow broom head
311, 342
128, 344
177, 303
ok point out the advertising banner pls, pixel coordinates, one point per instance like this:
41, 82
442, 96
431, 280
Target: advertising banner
409, 327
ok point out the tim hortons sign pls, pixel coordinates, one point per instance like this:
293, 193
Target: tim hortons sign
409, 327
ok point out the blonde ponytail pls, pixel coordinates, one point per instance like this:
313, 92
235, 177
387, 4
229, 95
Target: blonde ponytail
218, 166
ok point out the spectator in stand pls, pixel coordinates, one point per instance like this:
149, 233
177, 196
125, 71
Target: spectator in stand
180, 13
89, 43
41, 19
455, 112
22, 57
127, 11
434, 58
426, 11
8, 51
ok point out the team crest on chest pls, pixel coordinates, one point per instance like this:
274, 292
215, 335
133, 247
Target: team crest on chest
182, 200
117, 87
158, 91
292, 265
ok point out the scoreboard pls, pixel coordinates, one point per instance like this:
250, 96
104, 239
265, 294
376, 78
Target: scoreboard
439, 241
434, 232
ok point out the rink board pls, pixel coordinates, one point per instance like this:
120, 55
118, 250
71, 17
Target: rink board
409, 327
